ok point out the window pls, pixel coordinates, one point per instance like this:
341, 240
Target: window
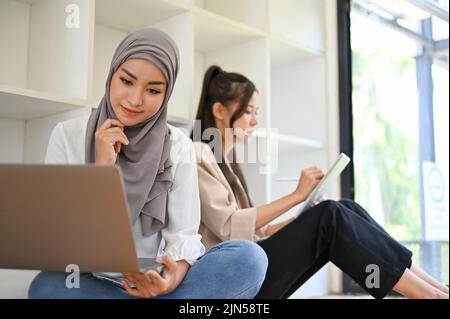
400, 106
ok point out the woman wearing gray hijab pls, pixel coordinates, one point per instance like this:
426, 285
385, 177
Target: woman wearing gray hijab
157, 161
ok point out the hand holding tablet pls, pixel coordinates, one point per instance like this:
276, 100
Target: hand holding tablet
335, 170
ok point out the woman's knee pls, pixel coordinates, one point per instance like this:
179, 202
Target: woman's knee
251, 259
332, 210
43, 285
347, 202
328, 205
355, 208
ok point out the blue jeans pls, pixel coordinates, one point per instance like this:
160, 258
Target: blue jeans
231, 269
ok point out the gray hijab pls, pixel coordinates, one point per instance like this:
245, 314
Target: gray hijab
145, 162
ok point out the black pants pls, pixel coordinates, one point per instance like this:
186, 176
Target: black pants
338, 231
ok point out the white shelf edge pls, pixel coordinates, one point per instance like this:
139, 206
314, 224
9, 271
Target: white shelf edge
203, 13
35, 104
178, 120
244, 27
30, 2
177, 3
42, 95
291, 139
125, 25
295, 45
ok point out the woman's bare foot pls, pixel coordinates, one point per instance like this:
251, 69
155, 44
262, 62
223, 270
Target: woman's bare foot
419, 272
412, 286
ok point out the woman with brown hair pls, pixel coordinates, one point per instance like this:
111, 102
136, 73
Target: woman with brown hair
338, 231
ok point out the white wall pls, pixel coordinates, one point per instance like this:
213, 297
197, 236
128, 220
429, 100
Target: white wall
252, 12
12, 141
301, 21
15, 283
37, 134
297, 90
181, 28
14, 55
58, 56
106, 40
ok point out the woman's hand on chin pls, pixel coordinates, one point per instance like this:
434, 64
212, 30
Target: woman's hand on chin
108, 141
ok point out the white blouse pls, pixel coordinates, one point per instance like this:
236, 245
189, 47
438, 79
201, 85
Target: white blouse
180, 238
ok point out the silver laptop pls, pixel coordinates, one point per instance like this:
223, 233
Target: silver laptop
55, 215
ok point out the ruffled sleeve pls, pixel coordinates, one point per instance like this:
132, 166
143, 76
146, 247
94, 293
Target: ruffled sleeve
181, 235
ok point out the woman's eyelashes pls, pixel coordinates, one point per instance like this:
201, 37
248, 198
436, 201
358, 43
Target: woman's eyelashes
251, 111
153, 91
129, 83
125, 81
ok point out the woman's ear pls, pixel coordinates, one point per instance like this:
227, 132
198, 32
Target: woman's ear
219, 111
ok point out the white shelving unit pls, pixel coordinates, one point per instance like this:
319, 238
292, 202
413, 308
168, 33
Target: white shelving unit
287, 142
25, 104
51, 73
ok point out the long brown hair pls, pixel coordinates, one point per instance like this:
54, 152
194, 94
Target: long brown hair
226, 88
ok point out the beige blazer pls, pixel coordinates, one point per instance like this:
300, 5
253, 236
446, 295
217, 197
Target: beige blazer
222, 217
